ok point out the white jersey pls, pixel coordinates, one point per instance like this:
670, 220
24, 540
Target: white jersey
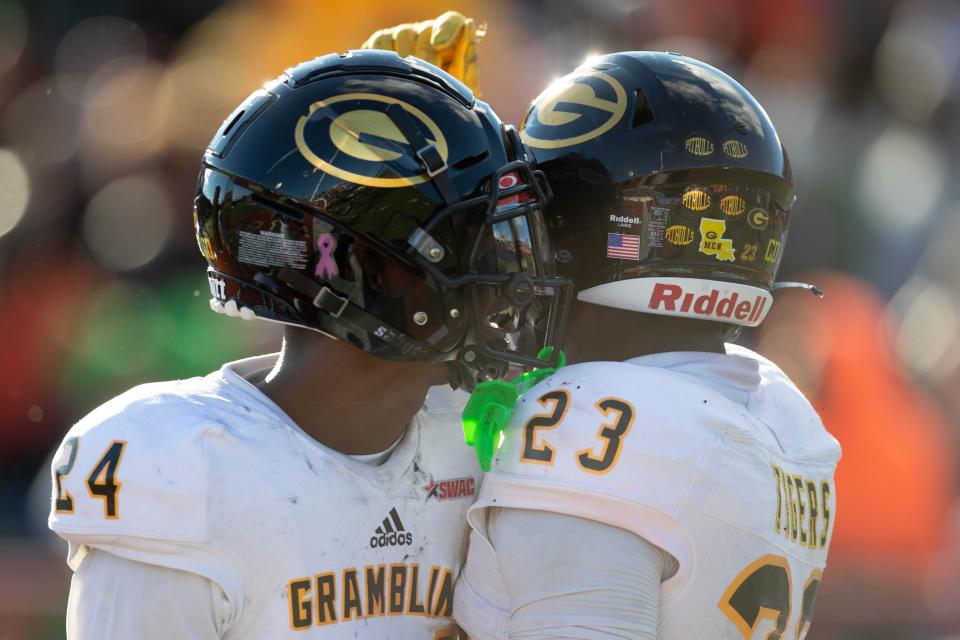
717, 459
209, 476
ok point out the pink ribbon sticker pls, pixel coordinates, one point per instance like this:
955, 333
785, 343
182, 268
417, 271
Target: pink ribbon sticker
326, 266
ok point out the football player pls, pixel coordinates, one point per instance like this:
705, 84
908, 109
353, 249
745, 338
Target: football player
668, 484
390, 220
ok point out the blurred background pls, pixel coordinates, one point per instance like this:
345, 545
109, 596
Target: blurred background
106, 107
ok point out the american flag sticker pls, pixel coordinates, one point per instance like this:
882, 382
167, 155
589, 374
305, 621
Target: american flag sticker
623, 246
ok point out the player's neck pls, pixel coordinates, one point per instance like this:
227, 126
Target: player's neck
344, 398
600, 334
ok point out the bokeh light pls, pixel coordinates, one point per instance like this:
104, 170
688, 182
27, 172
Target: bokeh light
901, 179
199, 99
91, 44
127, 222
41, 124
14, 190
123, 116
926, 321
13, 34
915, 63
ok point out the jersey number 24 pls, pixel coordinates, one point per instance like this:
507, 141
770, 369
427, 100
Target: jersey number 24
101, 483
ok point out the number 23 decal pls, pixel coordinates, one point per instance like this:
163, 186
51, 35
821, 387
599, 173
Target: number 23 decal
101, 483
617, 416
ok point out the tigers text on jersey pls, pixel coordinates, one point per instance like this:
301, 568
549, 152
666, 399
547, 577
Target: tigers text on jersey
208, 476
718, 459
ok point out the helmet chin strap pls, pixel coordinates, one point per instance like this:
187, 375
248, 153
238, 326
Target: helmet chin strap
788, 284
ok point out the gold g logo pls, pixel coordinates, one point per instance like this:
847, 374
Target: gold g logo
758, 219
363, 138
574, 109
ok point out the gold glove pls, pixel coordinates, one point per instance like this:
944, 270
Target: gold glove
449, 42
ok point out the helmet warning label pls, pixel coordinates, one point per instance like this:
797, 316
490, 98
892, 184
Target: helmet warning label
269, 249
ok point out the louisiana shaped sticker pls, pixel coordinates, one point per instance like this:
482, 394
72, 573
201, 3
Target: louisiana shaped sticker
712, 242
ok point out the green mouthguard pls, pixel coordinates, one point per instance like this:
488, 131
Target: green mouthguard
492, 403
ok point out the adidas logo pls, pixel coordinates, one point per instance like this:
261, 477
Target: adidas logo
391, 533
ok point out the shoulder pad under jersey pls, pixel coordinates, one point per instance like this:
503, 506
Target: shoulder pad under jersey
131, 478
614, 442
786, 412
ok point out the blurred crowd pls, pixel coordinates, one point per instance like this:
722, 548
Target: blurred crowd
106, 107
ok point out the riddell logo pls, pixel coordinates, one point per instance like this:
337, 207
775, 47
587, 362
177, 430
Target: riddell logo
451, 489
673, 298
391, 532
624, 220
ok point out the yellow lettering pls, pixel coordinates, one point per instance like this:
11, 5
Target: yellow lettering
398, 587
392, 589
326, 598
352, 603
825, 506
801, 509
444, 603
434, 578
301, 606
414, 606
376, 589
814, 512
776, 474
791, 496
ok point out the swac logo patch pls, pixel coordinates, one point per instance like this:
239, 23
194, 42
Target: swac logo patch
575, 109
354, 131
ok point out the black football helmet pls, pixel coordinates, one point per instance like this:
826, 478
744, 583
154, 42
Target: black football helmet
672, 190
374, 199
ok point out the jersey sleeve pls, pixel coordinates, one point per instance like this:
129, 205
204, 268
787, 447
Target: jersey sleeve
132, 479
481, 604
616, 443
107, 597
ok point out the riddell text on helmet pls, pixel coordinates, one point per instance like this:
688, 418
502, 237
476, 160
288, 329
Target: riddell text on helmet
672, 298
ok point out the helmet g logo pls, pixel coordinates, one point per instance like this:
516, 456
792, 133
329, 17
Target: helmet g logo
575, 109
364, 141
